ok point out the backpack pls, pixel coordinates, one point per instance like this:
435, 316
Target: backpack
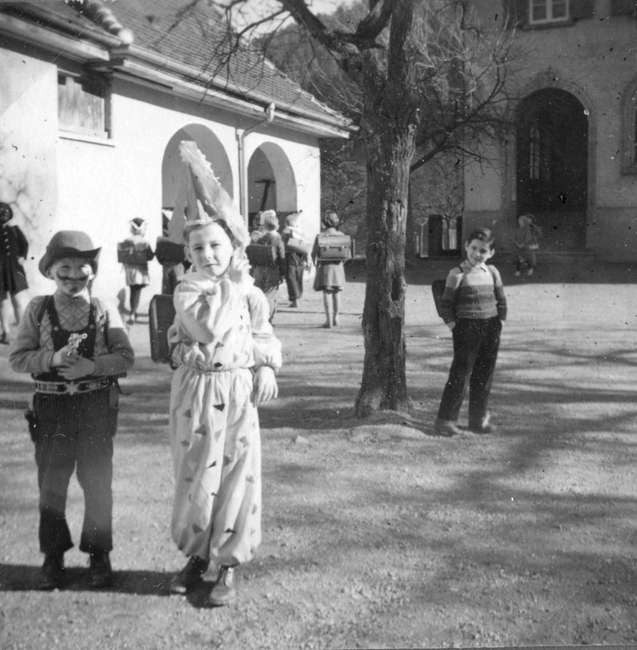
161, 313
437, 289
298, 246
334, 248
128, 253
261, 254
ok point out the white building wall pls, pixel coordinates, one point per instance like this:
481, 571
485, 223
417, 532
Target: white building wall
28, 133
98, 186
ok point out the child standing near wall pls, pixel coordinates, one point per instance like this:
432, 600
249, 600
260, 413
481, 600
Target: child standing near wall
74, 346
14, 248
473, 306
136, 268
297, 257
527, 244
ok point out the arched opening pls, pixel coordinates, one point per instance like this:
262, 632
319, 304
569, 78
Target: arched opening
552, 166
271, 182
172, 170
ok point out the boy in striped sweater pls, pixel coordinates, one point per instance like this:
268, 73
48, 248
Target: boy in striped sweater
473, 306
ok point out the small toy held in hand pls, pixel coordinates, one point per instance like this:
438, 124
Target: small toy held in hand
73, 344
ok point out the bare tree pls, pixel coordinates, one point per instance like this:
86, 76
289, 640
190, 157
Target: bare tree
429, 78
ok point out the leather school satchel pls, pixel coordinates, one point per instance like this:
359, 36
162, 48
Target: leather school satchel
334, 248
169, 252
261, 254
295, 245
128, 253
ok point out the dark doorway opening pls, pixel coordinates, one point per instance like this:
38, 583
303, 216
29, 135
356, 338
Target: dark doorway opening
552, 166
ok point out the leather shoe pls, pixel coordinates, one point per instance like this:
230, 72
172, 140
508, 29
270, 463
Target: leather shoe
484, 426
225, 589
52, 573
446, 428
189, 576
100, 572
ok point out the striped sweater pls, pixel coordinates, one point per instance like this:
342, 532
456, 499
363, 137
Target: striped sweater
473, 292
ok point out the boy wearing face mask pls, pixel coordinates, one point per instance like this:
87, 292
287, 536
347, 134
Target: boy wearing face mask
74, 346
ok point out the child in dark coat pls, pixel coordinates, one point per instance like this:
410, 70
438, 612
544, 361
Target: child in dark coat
13, 251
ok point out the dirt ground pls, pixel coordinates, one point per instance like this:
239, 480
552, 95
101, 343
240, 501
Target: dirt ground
376, 533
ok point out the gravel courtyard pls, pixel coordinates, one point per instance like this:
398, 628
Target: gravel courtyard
376, 533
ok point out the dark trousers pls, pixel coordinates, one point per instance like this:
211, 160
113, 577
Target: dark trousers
294, 280
135, 295
475, 350
75, 432
525, 259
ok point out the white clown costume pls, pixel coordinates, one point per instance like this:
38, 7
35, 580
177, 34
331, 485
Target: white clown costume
221, 335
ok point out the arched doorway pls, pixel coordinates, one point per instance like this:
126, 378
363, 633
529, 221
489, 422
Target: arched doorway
552, 166
271, 182
173, 170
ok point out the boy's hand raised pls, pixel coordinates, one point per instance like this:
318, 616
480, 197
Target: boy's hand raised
71, 365
76, 368
265, 386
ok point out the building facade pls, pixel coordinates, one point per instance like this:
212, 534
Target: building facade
94, 100
571, 156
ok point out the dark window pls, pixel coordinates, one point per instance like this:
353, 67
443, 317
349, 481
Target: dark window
83, 104
548, 11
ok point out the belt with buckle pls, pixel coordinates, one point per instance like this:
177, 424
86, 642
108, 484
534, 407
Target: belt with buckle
71, 387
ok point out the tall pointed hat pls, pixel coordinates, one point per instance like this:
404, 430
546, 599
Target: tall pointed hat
211, 201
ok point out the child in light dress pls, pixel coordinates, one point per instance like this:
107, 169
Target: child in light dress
226, 356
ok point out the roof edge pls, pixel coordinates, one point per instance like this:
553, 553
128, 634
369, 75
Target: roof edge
155, 59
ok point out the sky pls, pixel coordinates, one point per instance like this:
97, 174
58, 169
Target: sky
254, 9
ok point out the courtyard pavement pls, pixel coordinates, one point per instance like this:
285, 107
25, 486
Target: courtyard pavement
530, 533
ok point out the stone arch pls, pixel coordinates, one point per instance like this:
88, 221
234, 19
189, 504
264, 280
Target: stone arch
172, 168
271, 181
549, 79
552, 165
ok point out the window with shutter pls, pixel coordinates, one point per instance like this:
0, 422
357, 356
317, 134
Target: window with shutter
548, 11
83, 104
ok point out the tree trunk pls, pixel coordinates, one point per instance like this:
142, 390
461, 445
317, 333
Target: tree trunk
390, 150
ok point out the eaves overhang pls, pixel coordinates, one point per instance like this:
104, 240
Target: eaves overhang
109, 54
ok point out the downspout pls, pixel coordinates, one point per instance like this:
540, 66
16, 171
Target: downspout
243, 171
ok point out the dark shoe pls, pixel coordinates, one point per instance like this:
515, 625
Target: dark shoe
52, 573
225, 589
100, 572
446, 428
294, 303
189, 576
482, 427
4, 339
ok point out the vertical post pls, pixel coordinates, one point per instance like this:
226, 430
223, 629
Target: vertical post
243, 173
240, 135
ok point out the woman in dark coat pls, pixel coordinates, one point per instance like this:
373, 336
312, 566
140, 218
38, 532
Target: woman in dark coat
13, 251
